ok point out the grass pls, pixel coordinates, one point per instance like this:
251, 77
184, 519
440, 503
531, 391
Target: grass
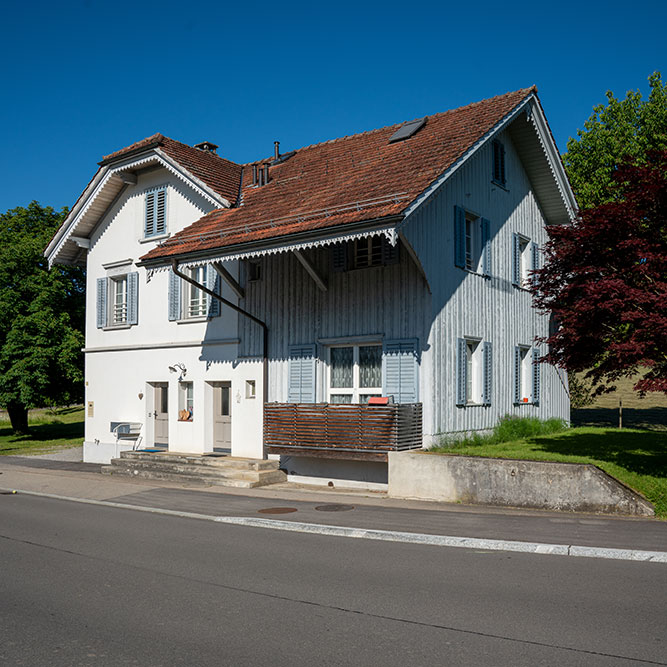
49, 429
636, 457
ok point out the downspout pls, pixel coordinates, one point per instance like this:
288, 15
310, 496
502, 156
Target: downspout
233, 306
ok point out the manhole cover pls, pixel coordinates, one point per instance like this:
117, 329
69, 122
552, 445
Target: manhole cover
7, 493
334, 508
277, 510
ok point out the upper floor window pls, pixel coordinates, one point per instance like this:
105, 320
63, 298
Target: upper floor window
155, 220
197, 301
189, 302
525, 258
363, 253
472, 242
117, 300
499, 163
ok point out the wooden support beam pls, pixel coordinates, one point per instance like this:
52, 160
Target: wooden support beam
229, 279
311, 270
128, 177
81, 241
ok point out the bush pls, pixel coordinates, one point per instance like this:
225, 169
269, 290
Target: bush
508, 429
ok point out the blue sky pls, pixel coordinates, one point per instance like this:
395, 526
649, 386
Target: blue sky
82, 79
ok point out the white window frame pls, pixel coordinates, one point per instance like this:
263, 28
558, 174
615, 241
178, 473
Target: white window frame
186, 393
194, 302
118, 309
526, 375
355, 391
474, 371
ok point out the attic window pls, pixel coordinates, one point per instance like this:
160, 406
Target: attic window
407, 130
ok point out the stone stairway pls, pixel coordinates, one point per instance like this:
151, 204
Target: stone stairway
218, 470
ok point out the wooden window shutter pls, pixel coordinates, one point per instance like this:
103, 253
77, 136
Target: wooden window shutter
133, 297
535, 256
516, 260
161, 212
390, 253
149, 228
399, 370
517, 374
461, 370
536, 376
338, 255
486, 247
101, 303
301, 374
459, 237
213, 283
487, 373
174, 297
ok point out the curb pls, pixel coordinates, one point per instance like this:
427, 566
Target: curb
383, 535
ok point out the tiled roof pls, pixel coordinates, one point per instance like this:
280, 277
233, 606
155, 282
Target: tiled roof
353, 179
222, 176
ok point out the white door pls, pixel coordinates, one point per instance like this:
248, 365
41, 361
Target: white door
222, 418
161, 414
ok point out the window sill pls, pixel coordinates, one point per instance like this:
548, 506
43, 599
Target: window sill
473, 405
116, 327
475, 273
193, 320
157, 237
521, 288
185, 421
526, 403
502, 186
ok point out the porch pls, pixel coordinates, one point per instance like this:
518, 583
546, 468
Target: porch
343, 431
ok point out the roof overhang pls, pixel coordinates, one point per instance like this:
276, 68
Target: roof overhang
103, 192
272, 246
535, 144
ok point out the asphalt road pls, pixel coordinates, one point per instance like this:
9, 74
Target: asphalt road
90, 585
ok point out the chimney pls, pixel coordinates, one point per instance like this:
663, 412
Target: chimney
254, 174
266, 173
206, 147
276, 150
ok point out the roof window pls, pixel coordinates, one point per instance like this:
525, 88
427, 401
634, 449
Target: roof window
407, 130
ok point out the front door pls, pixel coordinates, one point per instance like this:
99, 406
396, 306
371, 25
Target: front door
222, 418
161, 414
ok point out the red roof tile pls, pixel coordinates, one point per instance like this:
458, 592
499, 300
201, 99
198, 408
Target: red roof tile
353, 179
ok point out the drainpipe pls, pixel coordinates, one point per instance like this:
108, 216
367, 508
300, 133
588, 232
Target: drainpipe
233, 306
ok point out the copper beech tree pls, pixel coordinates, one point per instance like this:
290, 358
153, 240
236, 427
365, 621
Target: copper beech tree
604, 280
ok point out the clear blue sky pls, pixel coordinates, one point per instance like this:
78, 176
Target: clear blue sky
82, 79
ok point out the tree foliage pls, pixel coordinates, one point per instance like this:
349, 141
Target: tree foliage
41, 317
605, 281
620, 130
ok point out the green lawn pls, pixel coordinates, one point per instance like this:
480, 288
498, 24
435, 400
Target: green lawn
49, 429
636, 457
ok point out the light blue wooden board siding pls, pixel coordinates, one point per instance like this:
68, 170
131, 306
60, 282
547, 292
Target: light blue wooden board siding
390, 300
464, 304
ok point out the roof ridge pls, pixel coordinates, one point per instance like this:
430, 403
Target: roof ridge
526, 91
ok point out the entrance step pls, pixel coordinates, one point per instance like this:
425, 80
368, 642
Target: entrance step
196, 469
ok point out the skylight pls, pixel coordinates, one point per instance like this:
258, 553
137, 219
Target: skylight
407, 130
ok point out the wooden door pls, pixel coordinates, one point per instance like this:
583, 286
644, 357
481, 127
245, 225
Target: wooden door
222, 417
161, 414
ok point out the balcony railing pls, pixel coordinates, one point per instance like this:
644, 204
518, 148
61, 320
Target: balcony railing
342, 431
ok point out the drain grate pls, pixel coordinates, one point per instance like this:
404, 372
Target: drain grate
277, 510
334, 508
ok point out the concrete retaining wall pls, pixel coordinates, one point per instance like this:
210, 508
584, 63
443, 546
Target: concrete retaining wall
557, 486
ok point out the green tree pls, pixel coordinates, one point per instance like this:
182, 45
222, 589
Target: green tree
621, 129
41, 317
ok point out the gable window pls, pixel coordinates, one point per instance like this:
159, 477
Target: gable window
363, 253
355, 373
187, 302
499, 163
526, 375
525, 258
155, 219
474, 372
472, 242
368, 252
117, 300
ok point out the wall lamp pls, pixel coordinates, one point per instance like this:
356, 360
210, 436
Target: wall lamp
179, 368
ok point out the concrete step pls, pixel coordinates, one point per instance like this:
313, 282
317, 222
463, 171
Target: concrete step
223, 461
242, 473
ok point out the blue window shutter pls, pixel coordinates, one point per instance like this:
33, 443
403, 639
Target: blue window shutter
338, 255
487, 372
133, 297
301, 374
536, 376
461, 371
174, 296
160, 212
516, 260
517, 375
213, 283
390, 253
399, 370
459, 237
149, 227
486, 247
101, 302
535, 256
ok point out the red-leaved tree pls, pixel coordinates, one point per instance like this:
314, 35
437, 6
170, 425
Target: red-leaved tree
604, 280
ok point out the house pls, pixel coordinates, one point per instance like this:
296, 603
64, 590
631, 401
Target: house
262, 308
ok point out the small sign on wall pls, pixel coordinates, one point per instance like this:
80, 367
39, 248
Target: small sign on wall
91, 408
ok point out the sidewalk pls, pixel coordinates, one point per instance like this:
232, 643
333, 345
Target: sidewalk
357, 510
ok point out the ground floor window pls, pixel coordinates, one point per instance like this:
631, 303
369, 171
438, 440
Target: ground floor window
185, 401
355, 373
